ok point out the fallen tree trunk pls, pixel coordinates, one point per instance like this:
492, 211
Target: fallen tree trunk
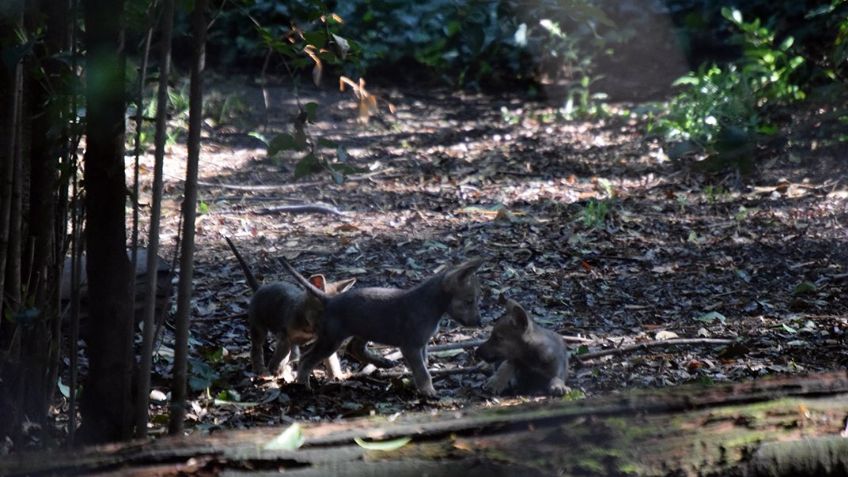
728, 429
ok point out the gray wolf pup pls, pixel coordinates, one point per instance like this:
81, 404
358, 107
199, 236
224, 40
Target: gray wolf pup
532, 358
395, 317
287, 312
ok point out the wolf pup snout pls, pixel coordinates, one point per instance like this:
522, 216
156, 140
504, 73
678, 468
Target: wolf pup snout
533, 358
463, 287
487, 353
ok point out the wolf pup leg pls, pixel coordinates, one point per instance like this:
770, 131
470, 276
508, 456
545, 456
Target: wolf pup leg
357, 347
502, 379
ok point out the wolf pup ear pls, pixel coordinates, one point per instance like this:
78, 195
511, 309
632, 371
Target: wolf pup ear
462, 271
502, 300
343, 285
519, 315
318, 281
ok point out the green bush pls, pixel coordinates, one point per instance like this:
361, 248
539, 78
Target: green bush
725, 108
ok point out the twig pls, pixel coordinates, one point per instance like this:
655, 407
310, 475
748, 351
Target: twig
297, 185
237, 316
300, 209
652, 344
433, 372
461, 345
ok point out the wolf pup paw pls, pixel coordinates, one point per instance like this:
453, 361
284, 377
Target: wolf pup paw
429, 393
557, 388
497, 384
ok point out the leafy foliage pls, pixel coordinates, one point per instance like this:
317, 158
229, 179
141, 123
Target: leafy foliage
725, 108
312, 161
461, 40
595, 213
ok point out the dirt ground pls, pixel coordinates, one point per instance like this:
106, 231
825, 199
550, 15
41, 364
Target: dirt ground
587, 223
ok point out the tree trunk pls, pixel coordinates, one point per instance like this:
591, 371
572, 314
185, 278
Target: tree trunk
146, 360
107, 401
788, 426
11, 80
42, 338
178, 388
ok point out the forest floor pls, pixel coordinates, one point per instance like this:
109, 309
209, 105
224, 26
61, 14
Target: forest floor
587, 223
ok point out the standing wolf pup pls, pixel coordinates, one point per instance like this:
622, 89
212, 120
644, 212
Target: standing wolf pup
289, 313
533, 358
395, 317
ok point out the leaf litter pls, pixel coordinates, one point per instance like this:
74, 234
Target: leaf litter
578, 221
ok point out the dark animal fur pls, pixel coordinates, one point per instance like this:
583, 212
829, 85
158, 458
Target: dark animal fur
532, 358
396, 317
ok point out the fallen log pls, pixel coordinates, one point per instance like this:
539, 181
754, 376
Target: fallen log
724, 429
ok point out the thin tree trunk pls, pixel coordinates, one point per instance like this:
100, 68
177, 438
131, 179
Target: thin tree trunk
15, 357
76, 253
76, 248
146, 362
178, 389
139, 118
12, 81
107, 401
13, 246
42, 337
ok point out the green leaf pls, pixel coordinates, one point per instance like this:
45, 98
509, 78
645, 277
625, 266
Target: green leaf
202, 375
688, 79
787, 43
795, 62
574, 395
311, 111
285, 142
290, 439
733, 15
712, 316
215, 355
804, 288
768, 129
226, 402
260, 136
327, 143
306, 166
789, 329
383, 445
315, 38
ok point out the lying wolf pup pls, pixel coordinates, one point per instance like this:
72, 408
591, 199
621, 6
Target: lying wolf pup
533, 358
395, 317
288, 312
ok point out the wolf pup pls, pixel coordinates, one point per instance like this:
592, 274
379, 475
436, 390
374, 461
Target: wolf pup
532, 358
395, 317
289, 313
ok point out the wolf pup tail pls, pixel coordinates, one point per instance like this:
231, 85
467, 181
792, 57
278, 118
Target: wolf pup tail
251, 280
303, 281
